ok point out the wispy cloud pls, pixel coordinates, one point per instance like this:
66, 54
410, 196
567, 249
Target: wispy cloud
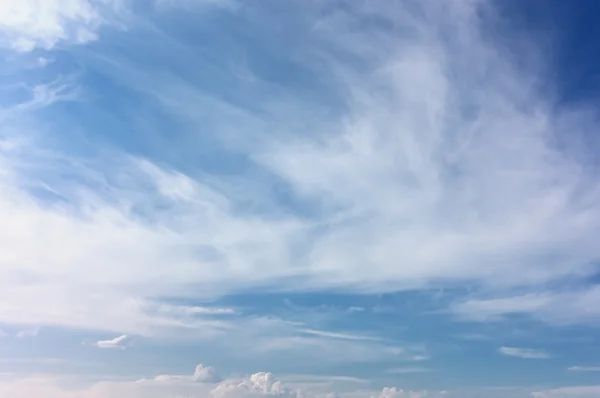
362, 159
404, 370
33, 332
334, 335
562, 307
526, 353
584, 368
569, 392
118, 342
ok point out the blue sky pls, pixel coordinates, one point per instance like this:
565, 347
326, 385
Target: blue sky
303, 198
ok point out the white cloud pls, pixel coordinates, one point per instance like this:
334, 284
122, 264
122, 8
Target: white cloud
205, 374
118, 342
526, 353
29, 24
569, 392
256, 385
393, 392
584, 368
570, 307
334, 335
435, 169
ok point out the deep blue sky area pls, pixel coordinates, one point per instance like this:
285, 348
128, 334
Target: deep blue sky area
569, 32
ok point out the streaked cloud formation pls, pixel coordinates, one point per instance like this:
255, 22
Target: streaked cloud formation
526, 353
117, 342
172, 170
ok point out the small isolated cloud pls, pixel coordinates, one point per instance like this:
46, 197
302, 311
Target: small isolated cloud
206, 374
584, 369
117, 342
356, 309
28, 333
526, 353
202, 374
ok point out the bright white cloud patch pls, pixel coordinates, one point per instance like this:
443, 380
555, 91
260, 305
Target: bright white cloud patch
526, 353
29, 24
584, 368
118, 342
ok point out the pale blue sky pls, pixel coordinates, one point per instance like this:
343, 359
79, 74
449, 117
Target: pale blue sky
351, 195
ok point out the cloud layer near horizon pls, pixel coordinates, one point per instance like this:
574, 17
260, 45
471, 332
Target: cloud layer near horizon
206, 383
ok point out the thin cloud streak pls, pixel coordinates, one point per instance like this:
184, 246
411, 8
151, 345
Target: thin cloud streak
525, 353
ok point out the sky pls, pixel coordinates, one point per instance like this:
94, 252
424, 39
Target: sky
303, 198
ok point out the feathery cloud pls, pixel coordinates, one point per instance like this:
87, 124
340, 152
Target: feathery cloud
526, 353
118, 342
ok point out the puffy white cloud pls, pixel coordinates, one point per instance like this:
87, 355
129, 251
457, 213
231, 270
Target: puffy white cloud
202, 373
526, 353
28, 24
203, 384
117, 342
261, 384
393, 392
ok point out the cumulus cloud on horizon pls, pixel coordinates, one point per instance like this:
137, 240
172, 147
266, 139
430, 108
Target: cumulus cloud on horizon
204, 383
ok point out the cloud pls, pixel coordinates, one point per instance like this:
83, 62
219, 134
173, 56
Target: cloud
334, 335
569, 392
33, 332
398, 166
584, 368
526, 353
405, 370
29, 24
561, 308
118, 342
205, 374
255, 385
393, 392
